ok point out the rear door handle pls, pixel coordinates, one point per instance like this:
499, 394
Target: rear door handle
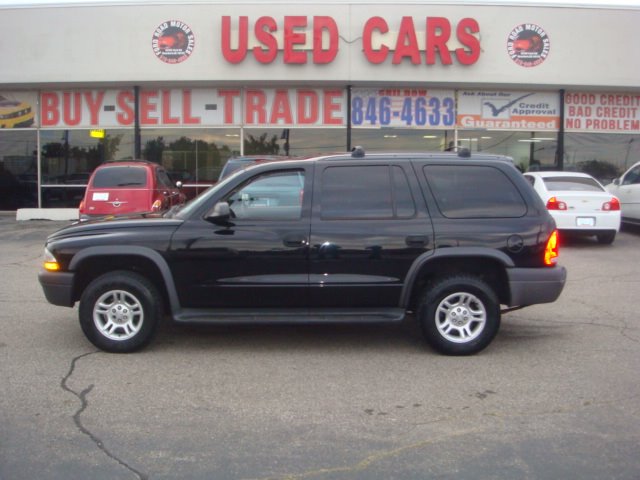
416, 240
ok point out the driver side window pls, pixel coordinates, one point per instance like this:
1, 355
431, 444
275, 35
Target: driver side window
633, 177
272, 196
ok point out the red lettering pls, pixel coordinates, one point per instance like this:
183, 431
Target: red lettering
281, 110
373, 24
148, 106
269, 54
255, 111
239, 54
307, 107
407, 43
167, 119
94, 106
187, 119
125, 101
438, 34
69, 117
330, 107
49, 109
293, 38
320, 25
465, 30
228, 96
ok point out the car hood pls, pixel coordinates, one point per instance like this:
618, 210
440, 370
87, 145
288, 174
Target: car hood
111, 224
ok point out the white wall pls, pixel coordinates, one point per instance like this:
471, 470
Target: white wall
83, 45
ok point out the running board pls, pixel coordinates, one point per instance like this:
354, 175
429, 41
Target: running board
288, 316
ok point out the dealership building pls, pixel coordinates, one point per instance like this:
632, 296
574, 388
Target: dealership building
191, 84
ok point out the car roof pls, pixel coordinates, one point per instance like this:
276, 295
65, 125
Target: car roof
128, 163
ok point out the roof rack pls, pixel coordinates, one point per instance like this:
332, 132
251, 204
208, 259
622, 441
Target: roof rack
464, 153
357, 152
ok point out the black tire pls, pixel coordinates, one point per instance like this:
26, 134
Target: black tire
120, 311
456, 307
606, 238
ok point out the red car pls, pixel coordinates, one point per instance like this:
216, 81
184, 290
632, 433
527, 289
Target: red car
123, 188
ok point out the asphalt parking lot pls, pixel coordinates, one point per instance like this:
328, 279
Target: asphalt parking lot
555, 396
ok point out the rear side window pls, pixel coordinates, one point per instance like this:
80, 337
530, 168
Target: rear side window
365, 192
474, 192
115, 177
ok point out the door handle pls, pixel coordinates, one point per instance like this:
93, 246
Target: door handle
416, 240
294, 240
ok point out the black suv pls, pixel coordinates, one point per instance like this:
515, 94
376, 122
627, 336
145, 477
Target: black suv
343, 238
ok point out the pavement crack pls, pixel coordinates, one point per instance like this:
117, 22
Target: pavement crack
84, 404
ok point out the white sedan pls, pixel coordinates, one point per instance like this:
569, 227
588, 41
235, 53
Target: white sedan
578, 203
627, 189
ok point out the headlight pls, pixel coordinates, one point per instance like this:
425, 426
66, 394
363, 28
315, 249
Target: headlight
50, 263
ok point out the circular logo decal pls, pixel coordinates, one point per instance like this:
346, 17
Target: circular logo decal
528, 45
173, 41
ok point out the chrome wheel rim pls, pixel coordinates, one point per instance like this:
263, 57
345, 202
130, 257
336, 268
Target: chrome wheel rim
118, 315
461, 317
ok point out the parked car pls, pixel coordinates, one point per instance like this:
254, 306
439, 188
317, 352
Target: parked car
578, 203
344, 238
123, 188
627, 189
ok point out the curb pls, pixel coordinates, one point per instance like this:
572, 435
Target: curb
46, 214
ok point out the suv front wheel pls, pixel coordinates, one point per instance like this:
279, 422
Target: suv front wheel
120, 311
459, 315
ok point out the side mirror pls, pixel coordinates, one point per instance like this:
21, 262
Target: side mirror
616, 181
220, 213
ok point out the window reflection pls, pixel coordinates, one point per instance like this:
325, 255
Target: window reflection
194, 157
295, 142
69, 156
18, 169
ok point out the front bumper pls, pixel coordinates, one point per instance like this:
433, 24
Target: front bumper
57, 287
530, 286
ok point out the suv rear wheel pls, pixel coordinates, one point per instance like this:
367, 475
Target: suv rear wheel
120, 311
459, 315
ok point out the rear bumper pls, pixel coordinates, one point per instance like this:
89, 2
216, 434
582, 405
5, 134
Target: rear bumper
530, 286
57, 287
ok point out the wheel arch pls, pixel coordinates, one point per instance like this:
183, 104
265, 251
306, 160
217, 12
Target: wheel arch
92, 262
488, 264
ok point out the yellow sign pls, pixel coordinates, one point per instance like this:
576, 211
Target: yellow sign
96, 133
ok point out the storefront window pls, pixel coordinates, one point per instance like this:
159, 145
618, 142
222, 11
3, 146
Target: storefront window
529, 150
401, 140
602, 155
295, 142
194, 157
69, 156
18, 169
526, 148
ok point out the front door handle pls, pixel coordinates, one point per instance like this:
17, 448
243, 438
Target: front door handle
294, 240
416, 241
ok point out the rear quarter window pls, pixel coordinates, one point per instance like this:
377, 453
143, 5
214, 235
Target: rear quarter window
473, 191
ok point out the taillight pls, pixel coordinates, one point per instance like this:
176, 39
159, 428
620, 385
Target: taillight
157, 205
552, 250
81, 207
554, 204
612, 205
